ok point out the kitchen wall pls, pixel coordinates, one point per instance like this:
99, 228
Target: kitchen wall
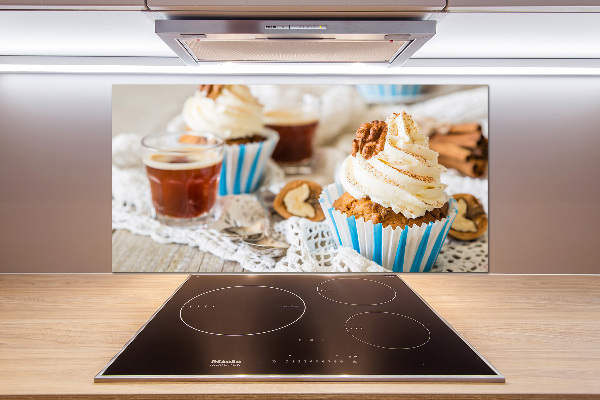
55, 139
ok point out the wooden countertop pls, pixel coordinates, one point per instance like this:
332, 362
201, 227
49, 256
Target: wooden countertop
541, 332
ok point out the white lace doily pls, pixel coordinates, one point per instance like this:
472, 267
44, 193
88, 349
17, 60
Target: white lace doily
312, 248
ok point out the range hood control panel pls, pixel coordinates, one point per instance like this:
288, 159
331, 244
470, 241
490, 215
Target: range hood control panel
307, 27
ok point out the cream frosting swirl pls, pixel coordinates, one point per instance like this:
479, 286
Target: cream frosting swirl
404, 176
234, 113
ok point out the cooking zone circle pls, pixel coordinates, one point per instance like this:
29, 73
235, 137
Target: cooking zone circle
356, 291
242, 310
388, 330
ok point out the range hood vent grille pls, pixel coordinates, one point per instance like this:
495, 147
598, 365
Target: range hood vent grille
378, 42
315, 51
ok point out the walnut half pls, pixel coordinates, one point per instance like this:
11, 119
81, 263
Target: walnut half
370, 139
471, 221
300, 198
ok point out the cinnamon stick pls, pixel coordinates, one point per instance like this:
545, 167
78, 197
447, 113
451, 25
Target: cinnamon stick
474, 168
466, 127
451, 150
479, 152
465, 139
483, 145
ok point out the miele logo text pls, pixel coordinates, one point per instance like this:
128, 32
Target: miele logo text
225, 363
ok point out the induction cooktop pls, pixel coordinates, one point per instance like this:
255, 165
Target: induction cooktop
297, 327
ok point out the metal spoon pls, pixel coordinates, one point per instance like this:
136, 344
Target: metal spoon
266, 246
251, 233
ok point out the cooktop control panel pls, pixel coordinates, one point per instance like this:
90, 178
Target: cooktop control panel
297, 327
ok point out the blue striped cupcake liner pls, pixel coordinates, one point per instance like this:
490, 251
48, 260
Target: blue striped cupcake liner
244, 165
412, 249
388, 93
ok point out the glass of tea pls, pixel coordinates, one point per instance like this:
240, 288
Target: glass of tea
296, 120
183, 170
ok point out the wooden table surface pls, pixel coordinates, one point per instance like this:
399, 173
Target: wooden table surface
136, 253
541, 332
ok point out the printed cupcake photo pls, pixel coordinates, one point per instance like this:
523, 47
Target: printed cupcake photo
232, 113
390, 185
391, 206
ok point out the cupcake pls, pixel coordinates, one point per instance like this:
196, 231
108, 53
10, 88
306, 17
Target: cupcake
231, 112
391, 206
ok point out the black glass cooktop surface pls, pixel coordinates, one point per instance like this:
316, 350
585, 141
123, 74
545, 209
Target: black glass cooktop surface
297, 327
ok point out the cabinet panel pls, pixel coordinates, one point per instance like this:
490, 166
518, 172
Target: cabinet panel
291, 5
78, 4
524, 5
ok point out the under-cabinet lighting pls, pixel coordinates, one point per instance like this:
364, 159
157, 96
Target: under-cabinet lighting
412, 67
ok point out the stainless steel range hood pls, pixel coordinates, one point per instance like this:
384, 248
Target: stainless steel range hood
382, 42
